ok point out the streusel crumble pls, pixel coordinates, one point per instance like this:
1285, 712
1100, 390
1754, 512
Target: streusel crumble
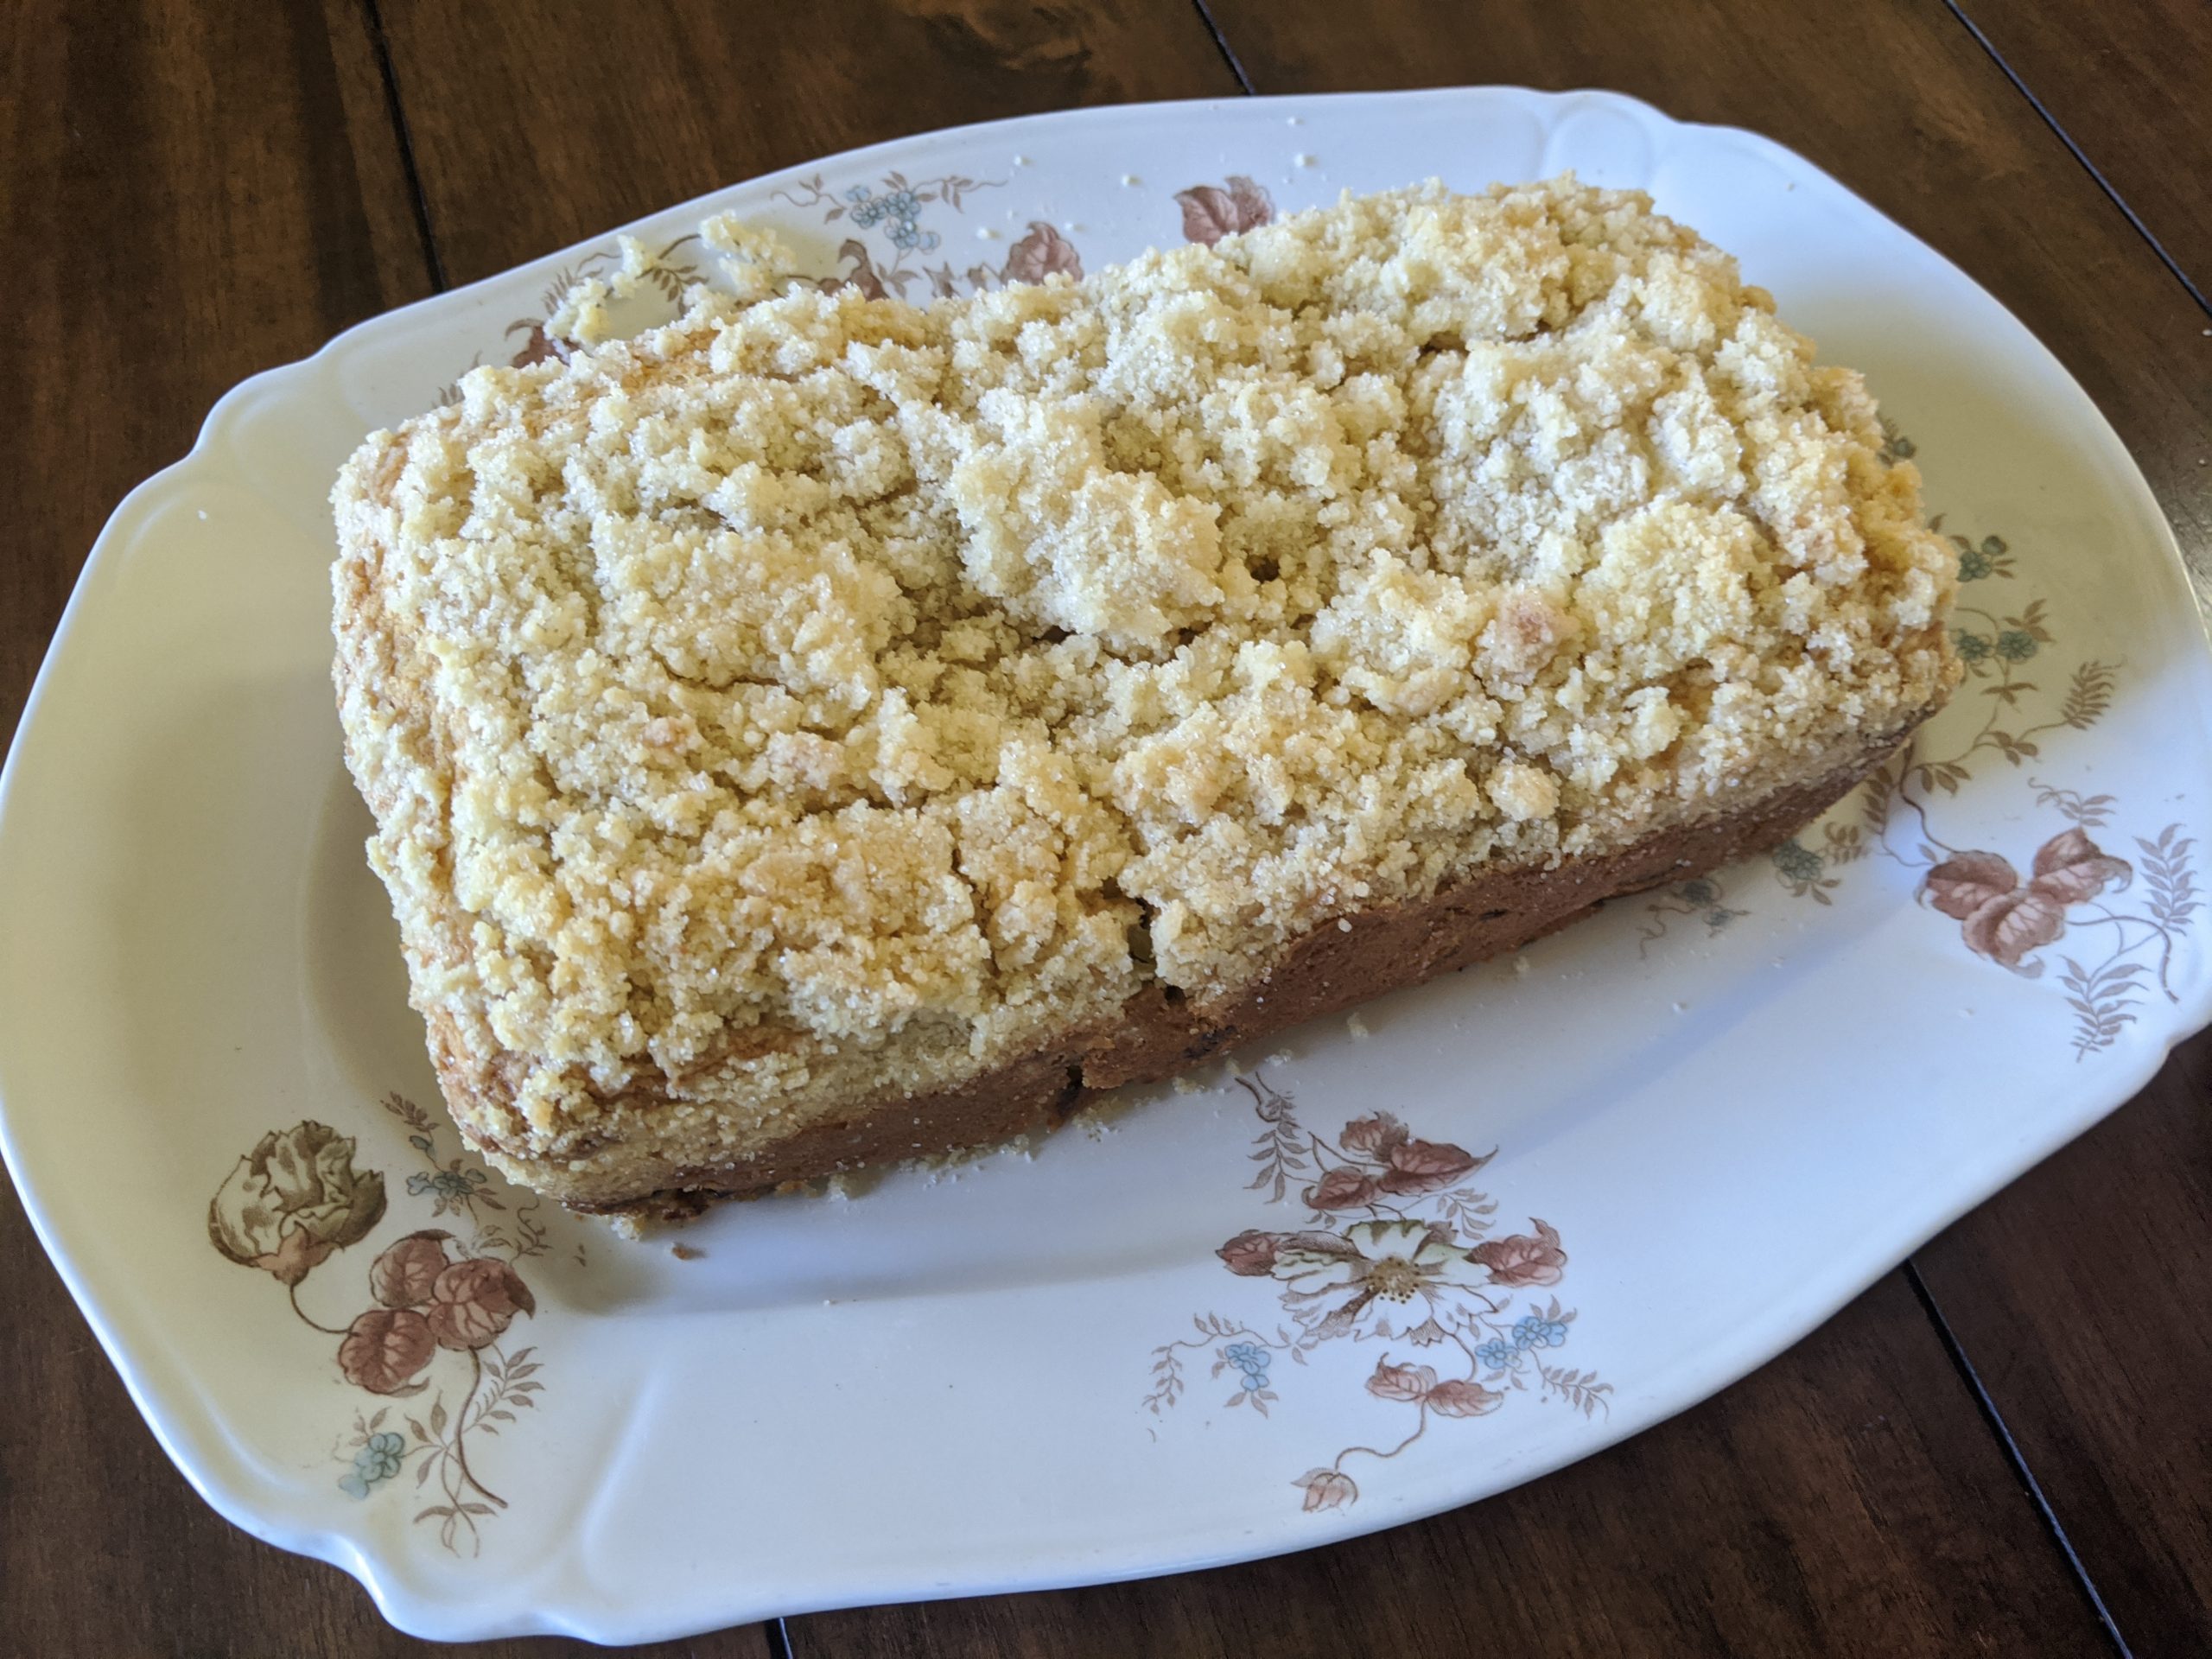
821, 702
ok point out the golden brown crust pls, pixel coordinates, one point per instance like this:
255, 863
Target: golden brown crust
1328, 969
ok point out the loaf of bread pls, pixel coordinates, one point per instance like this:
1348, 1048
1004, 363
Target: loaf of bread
826, 732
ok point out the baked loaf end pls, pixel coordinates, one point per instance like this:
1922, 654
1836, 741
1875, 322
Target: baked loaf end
829, 731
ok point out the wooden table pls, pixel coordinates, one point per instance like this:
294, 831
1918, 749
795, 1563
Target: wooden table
2005, 1447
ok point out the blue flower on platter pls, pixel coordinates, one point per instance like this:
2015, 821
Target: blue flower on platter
1499, 1354
448, 1183
1798, 862
1246, 1357
1535, 1331
379, 1459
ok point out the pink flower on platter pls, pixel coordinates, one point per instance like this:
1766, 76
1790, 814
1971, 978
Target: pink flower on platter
385, 1348
1458, 1399
1408, 1383
1326, 1488
1210, 211
2004, 919
1342, 1188
1520, 1260
1044, 252
473, 1302
404, 1274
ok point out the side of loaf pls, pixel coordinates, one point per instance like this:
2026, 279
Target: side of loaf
826, 731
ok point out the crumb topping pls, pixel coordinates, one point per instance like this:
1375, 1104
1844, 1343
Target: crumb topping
817, 669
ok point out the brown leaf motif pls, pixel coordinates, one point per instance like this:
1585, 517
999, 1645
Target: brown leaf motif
863, 275
1463, 1399
1519, 1259
405, 1274
1043, 252
1373, 1137
537, 346
2071, 867
2004, 919
1342, 1188
1251, 1253
1408, 1383
473, 1302
1424, 1167
1963, 885
1211, 211
1326, 1488
385, 1348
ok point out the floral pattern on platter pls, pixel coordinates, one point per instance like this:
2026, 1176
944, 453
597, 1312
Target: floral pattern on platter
1396, 1247
894, 208
1705, 896
2002, 919
298, 1197
1213, 211
664, 270
891, 210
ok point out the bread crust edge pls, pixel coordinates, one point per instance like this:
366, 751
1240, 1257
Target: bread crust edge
1328, 969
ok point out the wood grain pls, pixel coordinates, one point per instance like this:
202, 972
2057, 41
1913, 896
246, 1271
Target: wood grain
195, 193
190, 194
2078, 1295
2132, 84
1845, 1500
701, 94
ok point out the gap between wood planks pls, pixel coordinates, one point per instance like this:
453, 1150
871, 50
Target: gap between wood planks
2014, 1457
2097, 175
374, 13
1221, 44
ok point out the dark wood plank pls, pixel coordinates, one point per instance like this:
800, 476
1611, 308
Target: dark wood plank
192, 192
2128, 83
701, 94
2103, 1390
2079, 1296
1845, 1500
